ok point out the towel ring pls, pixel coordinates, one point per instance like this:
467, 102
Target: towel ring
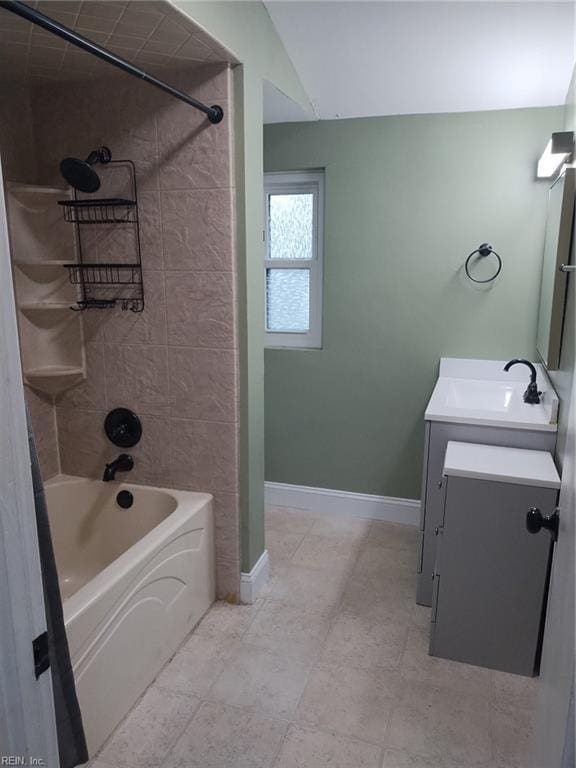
483, 250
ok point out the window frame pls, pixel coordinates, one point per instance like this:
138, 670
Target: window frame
294, 182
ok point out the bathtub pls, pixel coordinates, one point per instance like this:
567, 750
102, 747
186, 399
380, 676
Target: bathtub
134, 583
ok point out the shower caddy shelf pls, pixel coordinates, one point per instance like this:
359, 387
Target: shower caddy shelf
95, 278
114, 210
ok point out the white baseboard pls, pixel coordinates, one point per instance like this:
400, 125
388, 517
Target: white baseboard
387, 508
252, 584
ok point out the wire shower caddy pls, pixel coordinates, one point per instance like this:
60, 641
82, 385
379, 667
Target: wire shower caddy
107, 284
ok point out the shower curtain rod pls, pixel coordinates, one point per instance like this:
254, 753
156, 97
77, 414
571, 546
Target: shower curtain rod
215, 113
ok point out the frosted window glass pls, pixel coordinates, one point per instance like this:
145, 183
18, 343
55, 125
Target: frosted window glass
291, 226
288, 299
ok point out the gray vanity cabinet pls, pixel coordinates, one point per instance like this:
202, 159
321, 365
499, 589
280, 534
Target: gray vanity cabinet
437, 435
490, 575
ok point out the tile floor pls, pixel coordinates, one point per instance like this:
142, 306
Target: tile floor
329, 668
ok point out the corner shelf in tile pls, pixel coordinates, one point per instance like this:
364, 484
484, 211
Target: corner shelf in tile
51, 335
54, 379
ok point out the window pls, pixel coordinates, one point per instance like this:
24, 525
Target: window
294, 204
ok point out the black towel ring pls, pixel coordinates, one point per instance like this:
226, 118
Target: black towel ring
483, 250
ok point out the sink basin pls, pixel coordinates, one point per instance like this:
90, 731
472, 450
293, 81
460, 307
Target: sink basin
492, 401
469, 394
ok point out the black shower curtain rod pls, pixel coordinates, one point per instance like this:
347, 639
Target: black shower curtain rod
215, 113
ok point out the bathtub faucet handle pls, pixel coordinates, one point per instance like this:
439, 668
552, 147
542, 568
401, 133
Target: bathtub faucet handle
124, 463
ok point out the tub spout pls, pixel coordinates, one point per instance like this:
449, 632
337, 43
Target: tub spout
124, 463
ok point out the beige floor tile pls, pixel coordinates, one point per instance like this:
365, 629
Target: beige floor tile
419, 667
393, 535
226, 620
511, 738
364, 643
379, 598
225, 737
303, 748
440, 725
341, 527
421, 616
380, 561
312, 587
327, 553
513, 692
282, 545
262, 679
197, 665
150, 731
352, 702
289, 520
394, 758
299, 629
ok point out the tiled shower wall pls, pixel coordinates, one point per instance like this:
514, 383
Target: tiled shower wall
18, 152
176, 363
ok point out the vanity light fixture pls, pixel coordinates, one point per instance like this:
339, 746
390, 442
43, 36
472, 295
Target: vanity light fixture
557, 152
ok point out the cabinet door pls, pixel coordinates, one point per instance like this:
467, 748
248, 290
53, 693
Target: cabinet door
489, 606
433, 498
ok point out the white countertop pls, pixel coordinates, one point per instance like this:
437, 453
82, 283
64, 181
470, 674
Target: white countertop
481, 392
503, 465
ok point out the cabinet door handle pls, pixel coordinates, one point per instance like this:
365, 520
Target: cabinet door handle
535, 521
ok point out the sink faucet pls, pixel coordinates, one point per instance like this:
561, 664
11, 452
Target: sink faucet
124, 463
531, 396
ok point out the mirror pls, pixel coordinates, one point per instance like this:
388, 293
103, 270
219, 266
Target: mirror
559, 222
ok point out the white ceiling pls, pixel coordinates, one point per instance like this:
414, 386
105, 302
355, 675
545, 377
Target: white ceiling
357, 59
279, 108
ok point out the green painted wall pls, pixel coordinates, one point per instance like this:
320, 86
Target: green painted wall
407, 198
247, 31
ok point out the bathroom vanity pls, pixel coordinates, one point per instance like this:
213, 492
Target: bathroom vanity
491, 571
475, 401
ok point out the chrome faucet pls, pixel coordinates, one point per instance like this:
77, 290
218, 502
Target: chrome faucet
124, 463
531, 395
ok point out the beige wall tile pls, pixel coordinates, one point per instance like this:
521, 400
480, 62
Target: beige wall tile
43, 418
91, 393
194, 154
227, 527
200, 309
204, 456
228, 580
129, 362
84, 448
147, 327
197, 229
203, 384
137, 377
150, 218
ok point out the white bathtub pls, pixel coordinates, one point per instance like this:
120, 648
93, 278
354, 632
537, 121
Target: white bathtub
134, 583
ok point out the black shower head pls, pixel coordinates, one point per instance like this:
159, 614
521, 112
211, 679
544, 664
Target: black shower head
80, 174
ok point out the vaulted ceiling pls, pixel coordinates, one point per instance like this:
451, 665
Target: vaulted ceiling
359, 59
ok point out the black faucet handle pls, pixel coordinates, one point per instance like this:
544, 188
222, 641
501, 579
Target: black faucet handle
532, 395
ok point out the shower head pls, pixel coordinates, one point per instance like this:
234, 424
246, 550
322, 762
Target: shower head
80, 174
